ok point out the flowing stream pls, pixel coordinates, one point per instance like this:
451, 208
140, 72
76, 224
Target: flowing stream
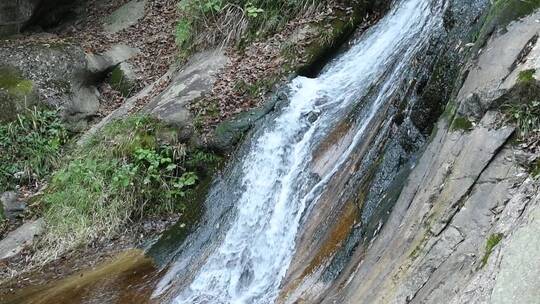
277, 187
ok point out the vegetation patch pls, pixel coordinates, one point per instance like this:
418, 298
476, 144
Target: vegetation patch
526, 76
492, 241
526, 116
461, 123
212, 22
30, 147
16, 93
130, 170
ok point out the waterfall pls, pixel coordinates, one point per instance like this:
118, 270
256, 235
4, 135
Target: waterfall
276, 185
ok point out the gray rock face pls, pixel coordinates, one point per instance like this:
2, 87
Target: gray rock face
11, 204
99, 63
488, 81
126, 16
189, 84
521, 260
58, 77
186, 84
17, 240
14, 14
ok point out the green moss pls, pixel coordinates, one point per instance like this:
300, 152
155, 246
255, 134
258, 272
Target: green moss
120, 82
16, 93
13, 82
505, 11
461, 123
502, 13
526, 76
492, 241
535, 168
418, 248
229, 132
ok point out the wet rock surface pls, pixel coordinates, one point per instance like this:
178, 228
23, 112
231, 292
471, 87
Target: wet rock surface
467, 185
468, 189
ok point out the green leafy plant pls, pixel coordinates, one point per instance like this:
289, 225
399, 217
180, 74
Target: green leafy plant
526, 76
252, 11
212, 6
183, 32
30, 147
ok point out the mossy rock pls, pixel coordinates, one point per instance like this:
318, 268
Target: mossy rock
123, 79
527, 76
461, 123
16, 93
501, 14
230, 132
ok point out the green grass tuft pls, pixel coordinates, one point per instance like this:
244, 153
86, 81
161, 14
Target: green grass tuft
209, 22
525, 115
492, 241
30, 147
526, 76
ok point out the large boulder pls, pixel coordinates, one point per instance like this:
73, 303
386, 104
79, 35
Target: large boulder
20, 238
14, 14
106, 61
194, 80
515, 50
53, 74
125, 16
16, 93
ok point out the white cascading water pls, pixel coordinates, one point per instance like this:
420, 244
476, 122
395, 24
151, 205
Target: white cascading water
255, 253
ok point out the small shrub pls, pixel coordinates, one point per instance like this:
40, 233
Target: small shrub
526, 116
183, 32
492, 241
30, 147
